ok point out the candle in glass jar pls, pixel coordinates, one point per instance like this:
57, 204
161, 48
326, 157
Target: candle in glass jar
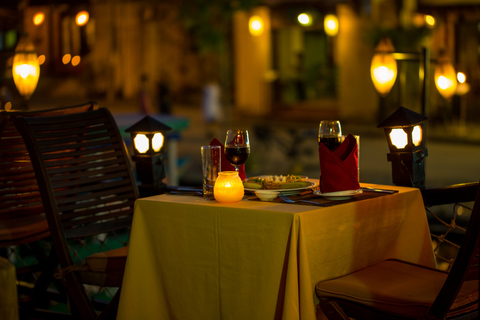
228, 187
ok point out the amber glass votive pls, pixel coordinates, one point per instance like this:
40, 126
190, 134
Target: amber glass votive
228, 187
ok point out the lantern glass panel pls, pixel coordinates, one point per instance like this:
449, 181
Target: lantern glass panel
141, 143
399, 138
157, 142
417, 136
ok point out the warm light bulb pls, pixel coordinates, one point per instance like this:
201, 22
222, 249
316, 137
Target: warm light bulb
443, 82
399, 138
157, 141
66, 58
81, 18
304, 19
461, 77
331, 25
38, 18
430, 21
417, 136
383, 74
445, 77
41, 59
255, 26
141, 143
76, 61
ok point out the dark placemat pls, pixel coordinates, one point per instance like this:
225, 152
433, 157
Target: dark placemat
310, 196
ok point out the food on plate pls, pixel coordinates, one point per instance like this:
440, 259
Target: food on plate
276, 182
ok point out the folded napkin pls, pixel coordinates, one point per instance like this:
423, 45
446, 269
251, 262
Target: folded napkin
226, 166
339, 169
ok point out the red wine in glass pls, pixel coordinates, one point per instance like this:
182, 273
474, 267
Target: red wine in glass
237, 155
330, 134
332, 143
237, 147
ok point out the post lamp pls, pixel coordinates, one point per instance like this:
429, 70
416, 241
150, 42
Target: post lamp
148, 139
25, 68
404, 131
383, 69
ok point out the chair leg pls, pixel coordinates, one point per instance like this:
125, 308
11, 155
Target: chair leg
333, 311
110, 311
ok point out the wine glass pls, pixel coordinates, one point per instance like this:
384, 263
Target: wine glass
330, 134
237, 147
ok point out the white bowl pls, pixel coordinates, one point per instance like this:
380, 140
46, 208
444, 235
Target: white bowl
266, 195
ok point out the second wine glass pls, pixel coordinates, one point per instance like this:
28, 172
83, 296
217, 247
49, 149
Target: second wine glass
237, 147
330, 134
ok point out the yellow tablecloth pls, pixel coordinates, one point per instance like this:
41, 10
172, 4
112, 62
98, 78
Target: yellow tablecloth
8, 291
194, 259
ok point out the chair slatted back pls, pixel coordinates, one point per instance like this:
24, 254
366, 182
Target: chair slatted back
20, 201
466, 265
88, 186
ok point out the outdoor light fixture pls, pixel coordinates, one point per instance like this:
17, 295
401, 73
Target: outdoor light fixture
383, 69
404, 131
331, 25
148, 139
25, 68
445, 77
255, 25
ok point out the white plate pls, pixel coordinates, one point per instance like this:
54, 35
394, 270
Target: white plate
284, 191
339, 195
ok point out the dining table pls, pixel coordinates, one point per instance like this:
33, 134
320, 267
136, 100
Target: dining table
190, 258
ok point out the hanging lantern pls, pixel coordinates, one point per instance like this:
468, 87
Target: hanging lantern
25, 68
383, 69
445, 77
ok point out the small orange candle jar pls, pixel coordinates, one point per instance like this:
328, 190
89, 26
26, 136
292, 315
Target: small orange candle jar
228, 187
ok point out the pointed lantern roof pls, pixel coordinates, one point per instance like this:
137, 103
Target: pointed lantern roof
402, 117
148, 124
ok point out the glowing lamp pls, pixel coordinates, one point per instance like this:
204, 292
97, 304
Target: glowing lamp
404, 131
228, 187
383, 68
445, 77
25, 68
331, 25
38, 18
148, 139
82, 18
255, 25
305, 19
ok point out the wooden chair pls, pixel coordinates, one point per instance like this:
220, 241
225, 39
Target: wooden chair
88, 191
23, 225
447, 211
395, 289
